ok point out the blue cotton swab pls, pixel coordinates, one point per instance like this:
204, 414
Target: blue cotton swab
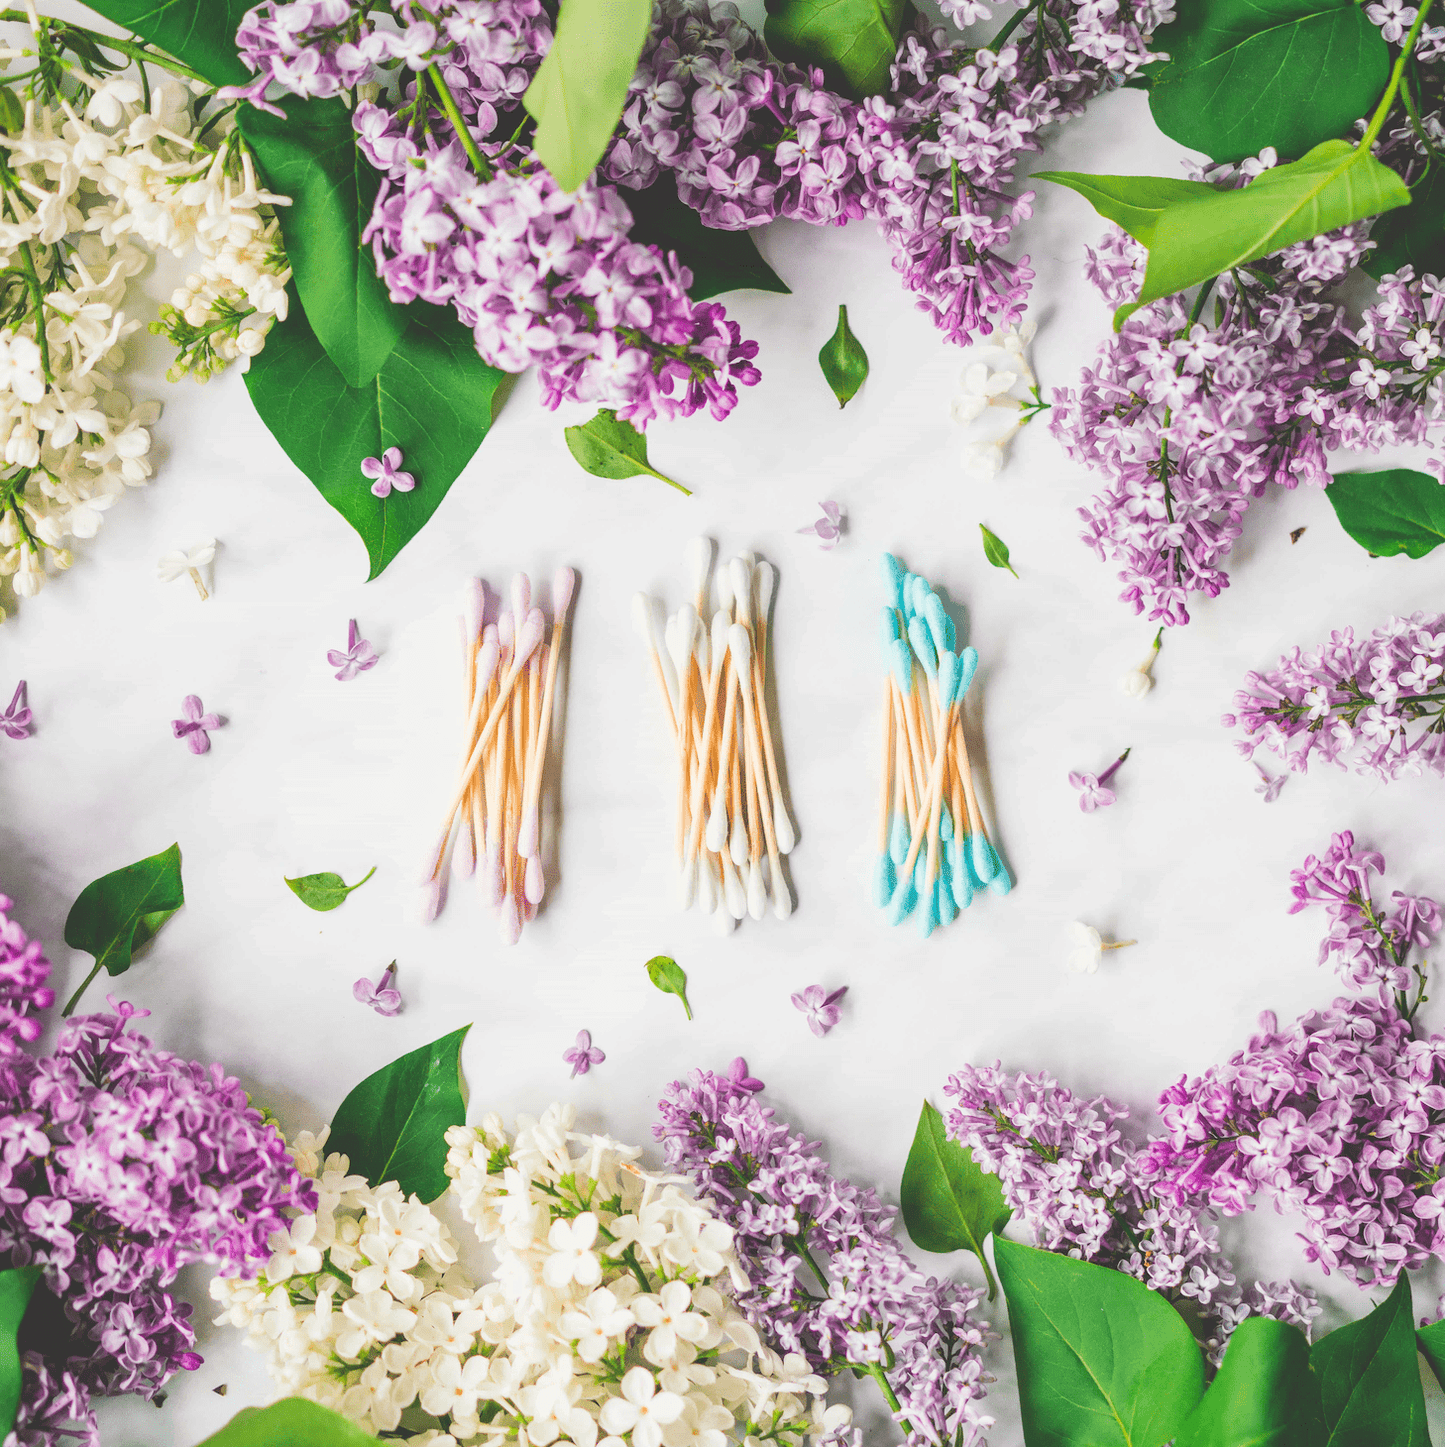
885, 878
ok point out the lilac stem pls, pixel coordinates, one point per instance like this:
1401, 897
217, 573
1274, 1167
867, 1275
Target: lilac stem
1114, 767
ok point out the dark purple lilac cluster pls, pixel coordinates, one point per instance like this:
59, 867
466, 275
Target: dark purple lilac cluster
827, 1278
119, 1165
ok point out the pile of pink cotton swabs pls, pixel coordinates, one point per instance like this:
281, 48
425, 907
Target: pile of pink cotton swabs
509, 679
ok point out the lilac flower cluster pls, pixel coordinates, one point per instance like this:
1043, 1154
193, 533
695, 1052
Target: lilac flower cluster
1074, 1181
121, 1164
866, 1306
1340, 1119
1376, 706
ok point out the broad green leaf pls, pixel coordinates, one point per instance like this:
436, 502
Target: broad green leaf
393, 1125
1413, 235
1135, 202
1246, 74
670, 978
1102, 1360
607, 447
1397, 510
1331, 186
719, 260
853, 42
432, 398
949, 1202
310, 155
117, 914
579, 90
16, 1286
996, 550
291, 1422
1264, 1394
844, 362
323, 892
201, 33
1431, 1341
1370, 1378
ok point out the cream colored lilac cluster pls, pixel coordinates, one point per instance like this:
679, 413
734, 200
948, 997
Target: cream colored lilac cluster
607, 1320
92, 184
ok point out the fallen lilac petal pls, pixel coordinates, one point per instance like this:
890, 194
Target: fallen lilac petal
15, 722
358, 657
583, 1055
737, 1072
194, 727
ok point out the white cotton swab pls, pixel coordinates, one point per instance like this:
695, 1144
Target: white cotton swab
764, 576
564, 584
699, 555
740, 645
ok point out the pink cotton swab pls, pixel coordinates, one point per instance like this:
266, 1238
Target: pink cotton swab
564, 584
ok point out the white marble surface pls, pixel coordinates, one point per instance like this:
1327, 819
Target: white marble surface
309, 774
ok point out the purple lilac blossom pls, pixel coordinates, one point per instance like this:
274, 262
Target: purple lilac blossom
829, 528
195, 727
358, 657
793, 1221
1376, 706
820, 1006
123, 1164
583, 1055
16, 721
386, 473
1079, 1187
382, 997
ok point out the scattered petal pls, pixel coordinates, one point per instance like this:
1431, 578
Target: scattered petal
820, 1006
16, 721
583, 1055
386, 470
1268, 786
829, 528
381, 996
195, 727
359, 655
738, 1073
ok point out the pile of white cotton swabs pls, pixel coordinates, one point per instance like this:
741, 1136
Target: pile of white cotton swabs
509, 688
732, 823
934, 853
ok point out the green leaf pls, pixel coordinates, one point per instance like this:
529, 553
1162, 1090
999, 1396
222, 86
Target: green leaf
119, 913
16, 1286
1431, 1341
1264, 1394
1246, 74
852, 41
433, 399
1195, 240
996, 550
844, 362
949, 1203
323, 892
291, 1422
1370, 1378
1135, 202
1396, 510
393, 1125
201, 33
579, 90
1102, 1360
719, 260
1413, 235
310, 155
607, 447
670, 978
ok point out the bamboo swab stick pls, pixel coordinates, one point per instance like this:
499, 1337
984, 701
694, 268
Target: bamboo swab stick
740, 645
564, 584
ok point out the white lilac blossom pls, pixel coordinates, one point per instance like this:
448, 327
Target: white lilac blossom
610, 1314
1088, 949
988, 392
17, 720
1138, 681
195, 725
92, 177
1376, 705
188, 562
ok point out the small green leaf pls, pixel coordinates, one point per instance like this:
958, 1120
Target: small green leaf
393, 1125
579, 90
1396, 510
16, 1286
291, 1422
116, 915
433, 398
1413, 235
844, 362
310, 154
719, 260
1370, 1378
607, 447
996, 550
1195, 240
200, 33
949, 1203
1431, 1341
1264, 1394
1102, 1360
1246, 74
323, 892
1135, 202
853, 42
670, 978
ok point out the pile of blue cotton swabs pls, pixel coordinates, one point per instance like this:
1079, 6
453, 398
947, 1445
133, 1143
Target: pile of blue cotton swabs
934, 852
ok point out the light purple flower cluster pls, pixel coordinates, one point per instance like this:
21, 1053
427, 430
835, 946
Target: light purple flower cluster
1340, 1120
827, 1278
1081, 1188
1376, 706
120, 1165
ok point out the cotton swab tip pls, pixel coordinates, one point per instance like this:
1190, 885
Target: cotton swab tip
885, 880
564, 585
757, 895
490, 878
509, 921
474, 606
740, 574
642, 616
527, 834
534, 881
783, 829
529, 637
893, 574
687, 884
698, 555
765, 578
967, 667
740, 644
426, 903
782, 897
521, 594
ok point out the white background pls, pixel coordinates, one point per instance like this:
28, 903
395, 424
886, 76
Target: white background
311, 775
